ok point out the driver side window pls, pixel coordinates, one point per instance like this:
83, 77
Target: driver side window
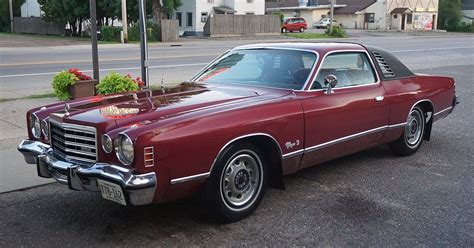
350, 69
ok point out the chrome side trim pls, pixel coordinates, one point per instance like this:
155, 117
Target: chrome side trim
346, 138
293, 154
397, 125
190, 178
354, 86
442, 111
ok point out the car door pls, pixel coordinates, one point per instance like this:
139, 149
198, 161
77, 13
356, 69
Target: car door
351, 118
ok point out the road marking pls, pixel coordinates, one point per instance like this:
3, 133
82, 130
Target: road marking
201, 64
111, 69
430, 49
110, 60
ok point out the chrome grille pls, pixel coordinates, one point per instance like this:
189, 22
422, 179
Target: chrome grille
74, 142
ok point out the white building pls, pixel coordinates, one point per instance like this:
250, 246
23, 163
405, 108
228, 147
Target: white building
30, 8
365, 14
193, 14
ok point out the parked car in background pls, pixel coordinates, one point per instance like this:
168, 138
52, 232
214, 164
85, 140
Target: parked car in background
291, 24
324, 23
253, 115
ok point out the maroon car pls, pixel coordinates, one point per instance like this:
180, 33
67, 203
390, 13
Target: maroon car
255, 114
291, 24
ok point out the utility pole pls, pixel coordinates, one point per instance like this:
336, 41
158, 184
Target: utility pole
124, 21
11, 16
143, 42
95, 53
332, 17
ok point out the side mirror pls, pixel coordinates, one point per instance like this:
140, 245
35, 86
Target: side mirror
330, 81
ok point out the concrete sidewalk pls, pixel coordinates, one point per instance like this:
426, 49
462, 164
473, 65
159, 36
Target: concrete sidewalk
14, 172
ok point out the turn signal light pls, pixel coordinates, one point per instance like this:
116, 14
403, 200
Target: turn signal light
148, 156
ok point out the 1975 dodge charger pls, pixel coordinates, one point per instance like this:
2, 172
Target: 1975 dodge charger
255, 114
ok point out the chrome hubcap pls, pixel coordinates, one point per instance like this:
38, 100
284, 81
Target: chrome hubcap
414, 128
241, 180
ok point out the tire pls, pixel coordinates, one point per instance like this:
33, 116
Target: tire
230, 194
284, 30
412, 138
301, 30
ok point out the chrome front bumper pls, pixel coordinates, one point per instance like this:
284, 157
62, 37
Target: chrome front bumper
139, 189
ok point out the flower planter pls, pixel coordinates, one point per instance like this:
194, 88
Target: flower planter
83, 88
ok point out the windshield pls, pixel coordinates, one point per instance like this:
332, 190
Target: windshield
288, 69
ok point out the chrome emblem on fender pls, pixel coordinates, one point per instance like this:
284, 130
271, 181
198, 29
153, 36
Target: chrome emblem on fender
290, 144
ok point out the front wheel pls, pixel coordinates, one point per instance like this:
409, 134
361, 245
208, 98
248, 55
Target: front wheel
301, 30
237, 183
284, 30
412, 138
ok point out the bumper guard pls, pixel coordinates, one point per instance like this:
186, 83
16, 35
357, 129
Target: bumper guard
139, 189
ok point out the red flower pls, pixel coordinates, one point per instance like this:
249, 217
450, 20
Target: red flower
79, 74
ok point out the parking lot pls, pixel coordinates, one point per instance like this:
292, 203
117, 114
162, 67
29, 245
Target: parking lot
371, 198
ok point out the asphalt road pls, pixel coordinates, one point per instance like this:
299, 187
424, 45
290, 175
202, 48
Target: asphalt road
366, 199
26, 71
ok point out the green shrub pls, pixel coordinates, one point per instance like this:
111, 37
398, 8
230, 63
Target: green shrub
337, 31
61, 83
116, 83
153, 32
109, 33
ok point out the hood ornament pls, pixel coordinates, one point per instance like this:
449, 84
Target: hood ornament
67, 107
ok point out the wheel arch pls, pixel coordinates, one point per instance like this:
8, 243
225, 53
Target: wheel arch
270, 149
427, 107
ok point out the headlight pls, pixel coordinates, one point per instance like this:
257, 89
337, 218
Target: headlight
45, 128
124, 149
107, 143
35, 126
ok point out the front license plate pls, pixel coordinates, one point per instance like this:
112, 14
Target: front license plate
111, 191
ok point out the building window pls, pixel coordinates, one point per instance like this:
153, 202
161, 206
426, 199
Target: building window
409, 18
179, 17
250, 13
203, 16
369, 18
189, 19
249, 1
210, 1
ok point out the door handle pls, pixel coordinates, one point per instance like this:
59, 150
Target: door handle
378, 98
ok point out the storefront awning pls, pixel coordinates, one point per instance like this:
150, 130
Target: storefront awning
401, 11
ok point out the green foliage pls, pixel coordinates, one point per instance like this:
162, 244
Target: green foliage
449, 14
169, 6
5, 13
61, 83
153, 32
281, 15
337, 31
116, 83
109, 33
466, 28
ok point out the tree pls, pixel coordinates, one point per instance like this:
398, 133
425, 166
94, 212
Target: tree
5, 13
168, 7
71, 12
449, 14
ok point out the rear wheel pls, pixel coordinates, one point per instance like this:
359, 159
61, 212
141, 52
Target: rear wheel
284, 30
237, 183
301, 30
412, 138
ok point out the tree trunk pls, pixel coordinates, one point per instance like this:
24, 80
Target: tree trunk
156, 10
80, 26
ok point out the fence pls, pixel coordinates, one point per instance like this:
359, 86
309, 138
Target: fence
220, 25
35, 25
169, 30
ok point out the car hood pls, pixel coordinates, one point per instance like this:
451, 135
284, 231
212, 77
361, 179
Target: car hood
125, 109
